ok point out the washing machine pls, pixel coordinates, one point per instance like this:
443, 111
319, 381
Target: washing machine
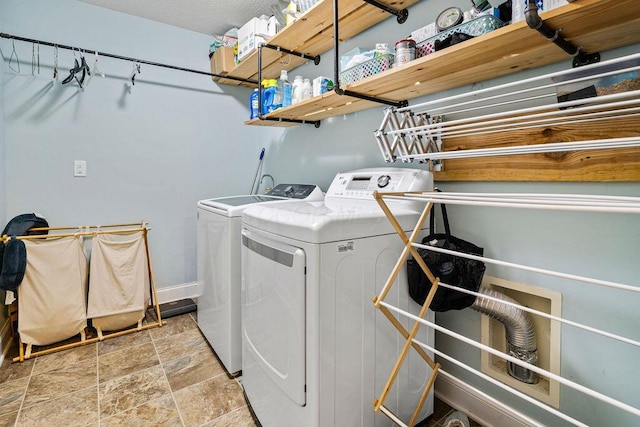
218, 264
316, 352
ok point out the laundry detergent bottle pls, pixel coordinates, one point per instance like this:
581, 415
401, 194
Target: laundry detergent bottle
253, 104
285, 87
268, 95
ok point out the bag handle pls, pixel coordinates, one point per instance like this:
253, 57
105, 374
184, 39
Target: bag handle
445, 218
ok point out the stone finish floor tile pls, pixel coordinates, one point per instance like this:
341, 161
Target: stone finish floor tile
11, 395
64, 379
75, 409
54, 361
8, 420
124, 393
240, 417
10, 371
125, 362
189, 342
123, 342
175, 325
192, 369
158, 412
208, 400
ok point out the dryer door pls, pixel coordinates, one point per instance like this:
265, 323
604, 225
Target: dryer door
273, 310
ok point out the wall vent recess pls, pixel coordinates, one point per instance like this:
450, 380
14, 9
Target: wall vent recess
547, 335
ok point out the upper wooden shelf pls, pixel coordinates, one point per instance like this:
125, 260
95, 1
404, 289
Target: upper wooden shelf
594, 25
312, 34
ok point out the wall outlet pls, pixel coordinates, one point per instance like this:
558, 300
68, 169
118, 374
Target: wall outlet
79, 168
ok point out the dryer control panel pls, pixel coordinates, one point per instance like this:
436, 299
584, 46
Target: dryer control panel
360, 184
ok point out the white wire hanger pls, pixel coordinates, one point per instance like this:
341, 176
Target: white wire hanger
95, 70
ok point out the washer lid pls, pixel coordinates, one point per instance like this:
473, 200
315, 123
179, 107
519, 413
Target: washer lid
234, 205
320, 222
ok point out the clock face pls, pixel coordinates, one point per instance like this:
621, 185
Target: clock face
449, 17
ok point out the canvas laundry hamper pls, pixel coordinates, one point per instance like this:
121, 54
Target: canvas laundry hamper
52, 296
119, 281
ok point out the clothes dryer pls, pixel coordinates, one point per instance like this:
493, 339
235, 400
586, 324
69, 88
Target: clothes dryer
218, 264
316, 352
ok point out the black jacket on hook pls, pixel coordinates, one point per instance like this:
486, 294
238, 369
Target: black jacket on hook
13, 254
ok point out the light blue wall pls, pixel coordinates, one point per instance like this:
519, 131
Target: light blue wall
3, 158
177, 138
597, 245
152, 150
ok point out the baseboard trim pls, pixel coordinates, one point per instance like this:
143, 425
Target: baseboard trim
5, 340
476, 404
178, 292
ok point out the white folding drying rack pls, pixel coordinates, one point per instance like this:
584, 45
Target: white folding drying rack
417, 132
560, 202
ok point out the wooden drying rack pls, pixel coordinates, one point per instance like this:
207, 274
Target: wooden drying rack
408, 241
91, 231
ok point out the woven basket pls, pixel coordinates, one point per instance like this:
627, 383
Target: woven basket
368, 68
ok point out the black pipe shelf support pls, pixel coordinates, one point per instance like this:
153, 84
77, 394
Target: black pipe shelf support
401, 17
124, 58
315, 59
535, 22
261, 116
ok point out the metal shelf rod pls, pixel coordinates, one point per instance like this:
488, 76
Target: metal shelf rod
123, 58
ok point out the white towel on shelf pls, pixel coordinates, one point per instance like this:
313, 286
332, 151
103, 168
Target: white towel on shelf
119, 281
52, 296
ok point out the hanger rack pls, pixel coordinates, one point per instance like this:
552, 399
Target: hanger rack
124, 58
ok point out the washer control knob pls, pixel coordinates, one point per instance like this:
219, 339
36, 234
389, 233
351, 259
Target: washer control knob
288, 191
383, 181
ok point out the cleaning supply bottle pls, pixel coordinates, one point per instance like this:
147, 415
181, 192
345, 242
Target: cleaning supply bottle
253, 104
277, 96
285, 88
296, 90
268, 95
307, 89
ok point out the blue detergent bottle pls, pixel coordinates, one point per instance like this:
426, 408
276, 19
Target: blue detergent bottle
253, 104
268, 95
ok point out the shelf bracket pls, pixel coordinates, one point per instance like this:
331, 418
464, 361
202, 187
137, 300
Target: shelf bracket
336, 59
401, 15
315, 59
397, 104
553, 35
261, 116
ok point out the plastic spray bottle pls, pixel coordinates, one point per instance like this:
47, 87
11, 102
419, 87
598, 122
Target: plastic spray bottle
285, 88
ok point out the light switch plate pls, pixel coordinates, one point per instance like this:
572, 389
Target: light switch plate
79, 168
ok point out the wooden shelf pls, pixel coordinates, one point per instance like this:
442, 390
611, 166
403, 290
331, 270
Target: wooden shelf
312, 34
594, 25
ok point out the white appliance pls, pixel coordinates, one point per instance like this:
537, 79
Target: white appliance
219, 225
316, 352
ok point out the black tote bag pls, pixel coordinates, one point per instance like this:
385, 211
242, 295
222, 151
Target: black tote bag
450, 269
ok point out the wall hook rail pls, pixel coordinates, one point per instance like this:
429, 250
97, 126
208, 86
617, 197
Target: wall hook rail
124, 58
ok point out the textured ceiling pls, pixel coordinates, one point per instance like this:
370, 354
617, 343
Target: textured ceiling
203, 16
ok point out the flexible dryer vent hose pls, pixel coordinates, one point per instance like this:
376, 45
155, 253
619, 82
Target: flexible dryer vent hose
519, 330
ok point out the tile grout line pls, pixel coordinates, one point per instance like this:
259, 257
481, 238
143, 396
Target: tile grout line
173, 398
24, 395
98, 382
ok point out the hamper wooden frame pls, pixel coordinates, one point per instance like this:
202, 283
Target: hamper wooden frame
92, 231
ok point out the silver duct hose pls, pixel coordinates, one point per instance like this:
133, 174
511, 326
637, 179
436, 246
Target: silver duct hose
519, 330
